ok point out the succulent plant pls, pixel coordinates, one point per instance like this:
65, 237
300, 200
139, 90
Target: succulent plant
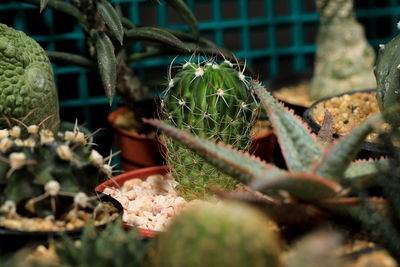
387, 77
47, 174
113, 246
110, 35
26, 80
212, 101
218, 234
344, 60
318, 174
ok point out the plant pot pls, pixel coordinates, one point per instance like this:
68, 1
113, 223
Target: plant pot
291, 82
368, 149
139, 173
135, 151
12, 240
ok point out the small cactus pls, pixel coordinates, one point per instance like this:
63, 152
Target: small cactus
212, 101
44, 173
221, 234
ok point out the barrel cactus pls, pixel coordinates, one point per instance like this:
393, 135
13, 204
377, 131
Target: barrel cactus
223, 234
344, 60
26, 80
212, 101
387, 73
46, 174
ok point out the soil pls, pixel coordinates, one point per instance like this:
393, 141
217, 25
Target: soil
78, 220
128, 122
349, 111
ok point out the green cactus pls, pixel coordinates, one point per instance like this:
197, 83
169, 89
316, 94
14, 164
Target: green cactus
47, 174
387, 73
212, 101
324, 176
26, 80
222, 234
344, 60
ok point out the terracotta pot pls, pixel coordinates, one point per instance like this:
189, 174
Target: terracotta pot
135, 151
263, 146
139, 173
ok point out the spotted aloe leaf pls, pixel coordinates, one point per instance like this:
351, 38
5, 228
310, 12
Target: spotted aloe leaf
239, 165
299, 146
337, 159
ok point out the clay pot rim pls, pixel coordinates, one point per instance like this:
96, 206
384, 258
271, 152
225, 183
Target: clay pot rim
139, 173
111, 119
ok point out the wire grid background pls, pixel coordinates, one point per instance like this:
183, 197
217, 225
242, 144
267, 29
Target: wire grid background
276, 38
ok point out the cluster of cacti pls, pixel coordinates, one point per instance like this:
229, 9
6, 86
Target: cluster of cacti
26, 80
212, 101
344, 60
42, 173
322, 175
387, 73
218, 234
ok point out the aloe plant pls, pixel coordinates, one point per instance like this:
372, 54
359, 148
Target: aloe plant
319, 174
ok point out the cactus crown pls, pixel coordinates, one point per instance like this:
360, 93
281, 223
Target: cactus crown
315, 171
212, 101
45, 173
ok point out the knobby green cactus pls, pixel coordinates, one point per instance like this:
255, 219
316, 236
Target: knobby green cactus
212, 101
344, 60
48, 174
323, 176
387, 73
26, 80
222, 234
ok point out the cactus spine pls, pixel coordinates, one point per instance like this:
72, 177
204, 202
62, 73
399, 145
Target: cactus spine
222, 234
212, 101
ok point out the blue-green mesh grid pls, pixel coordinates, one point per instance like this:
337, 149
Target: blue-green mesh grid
276, 38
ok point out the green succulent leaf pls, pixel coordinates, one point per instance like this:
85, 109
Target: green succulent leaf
59, 6
342, 153
111, 18
236, 164
107, 63
43, 4
302, 186
154, 34
187, 15
299, 147
72, 59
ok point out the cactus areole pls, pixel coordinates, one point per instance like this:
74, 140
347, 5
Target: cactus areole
387, 73
26, 80
212, 101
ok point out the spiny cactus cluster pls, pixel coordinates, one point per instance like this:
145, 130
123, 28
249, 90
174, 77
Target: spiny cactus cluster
26, 80
218, 234
212, 101
318, 174
46, 174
